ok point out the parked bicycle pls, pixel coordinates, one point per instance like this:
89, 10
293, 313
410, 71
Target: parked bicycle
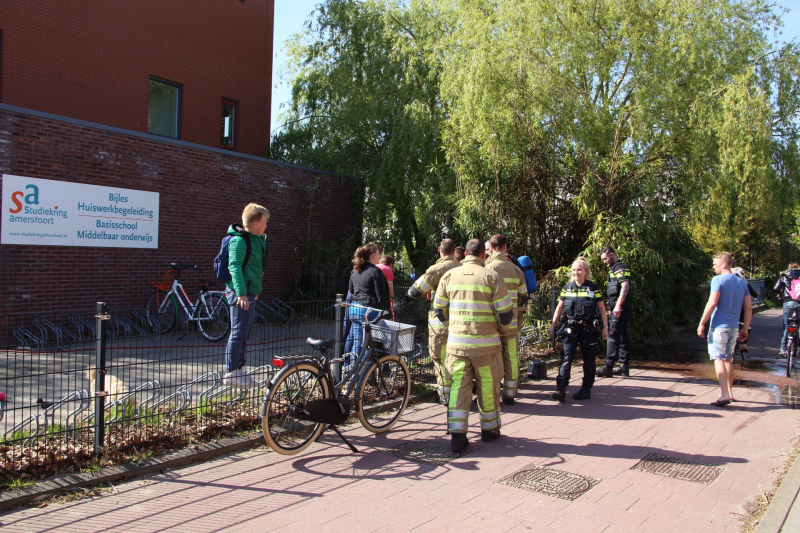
791, 344
304, 398
210, 311
532, 336
741, 347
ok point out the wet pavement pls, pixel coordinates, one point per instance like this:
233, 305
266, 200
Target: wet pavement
648, 453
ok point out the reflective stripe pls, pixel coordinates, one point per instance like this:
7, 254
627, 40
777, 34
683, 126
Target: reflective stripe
490, 421
502, 304
454, 427
436, 322
440, 301
458, 376
511, 280
470, 304
471, 318
470, 288
422, 285
469, 340
512, 384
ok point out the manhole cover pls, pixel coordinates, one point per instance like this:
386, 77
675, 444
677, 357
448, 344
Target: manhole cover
564, 485
664, 465
425, 452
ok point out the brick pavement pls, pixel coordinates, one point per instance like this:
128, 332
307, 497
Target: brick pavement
330, 489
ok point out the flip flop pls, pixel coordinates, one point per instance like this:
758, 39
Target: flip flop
720, 403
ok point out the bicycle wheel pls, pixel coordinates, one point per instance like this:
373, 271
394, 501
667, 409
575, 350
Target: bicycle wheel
161, 311
214, 317
293, 387
383, 393
791, 354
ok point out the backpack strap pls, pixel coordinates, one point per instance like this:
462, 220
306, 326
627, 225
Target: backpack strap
247, 252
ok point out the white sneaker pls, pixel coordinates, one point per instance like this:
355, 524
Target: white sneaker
246, 380
231, 379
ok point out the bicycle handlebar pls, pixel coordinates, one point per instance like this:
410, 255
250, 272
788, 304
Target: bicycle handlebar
179, 268
340, 303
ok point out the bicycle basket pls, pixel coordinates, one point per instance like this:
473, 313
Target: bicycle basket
396, 337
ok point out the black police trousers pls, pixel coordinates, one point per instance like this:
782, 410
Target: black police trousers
587, 339
618, 345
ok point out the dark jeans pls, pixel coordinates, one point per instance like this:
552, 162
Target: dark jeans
618, 346
587, 340
790, 307
241, 326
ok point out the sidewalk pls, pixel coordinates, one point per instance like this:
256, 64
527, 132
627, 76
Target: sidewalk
328, 488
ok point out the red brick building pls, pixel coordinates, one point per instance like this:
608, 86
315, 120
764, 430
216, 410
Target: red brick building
95, 60
168, 97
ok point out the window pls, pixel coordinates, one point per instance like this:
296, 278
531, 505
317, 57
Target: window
163, 116
229, 123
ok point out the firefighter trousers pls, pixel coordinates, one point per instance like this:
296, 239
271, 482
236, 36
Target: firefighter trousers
437, 347
510, 346
486, 370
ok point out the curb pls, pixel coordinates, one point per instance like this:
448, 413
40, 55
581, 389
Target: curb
781, 516
59, 483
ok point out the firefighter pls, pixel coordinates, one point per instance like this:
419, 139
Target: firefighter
437, 329
620, 307
475, 301
580, 299
518, 292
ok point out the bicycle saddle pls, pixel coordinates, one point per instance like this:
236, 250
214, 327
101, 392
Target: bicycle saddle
320, 344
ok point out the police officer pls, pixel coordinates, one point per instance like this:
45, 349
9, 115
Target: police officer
437, 330
514, 279
620, 305
476, 303
580, 299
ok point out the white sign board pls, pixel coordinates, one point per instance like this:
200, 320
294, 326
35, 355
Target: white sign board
59, 213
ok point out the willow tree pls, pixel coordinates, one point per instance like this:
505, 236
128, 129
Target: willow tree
571, 113
365, 103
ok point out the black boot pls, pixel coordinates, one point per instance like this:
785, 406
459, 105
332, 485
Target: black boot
559, 396
606, 371
507, 400
583, 394
458, 442
622, 370
489, 436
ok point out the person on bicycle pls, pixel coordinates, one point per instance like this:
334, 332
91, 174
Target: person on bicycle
243, 289
729, 294
790, 306
369, 288
581, 299
620, 305
437, 330
474, 302
514, 279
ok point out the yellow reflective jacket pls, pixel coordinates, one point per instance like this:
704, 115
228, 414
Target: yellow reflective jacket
471, 297
515, 283
429, 281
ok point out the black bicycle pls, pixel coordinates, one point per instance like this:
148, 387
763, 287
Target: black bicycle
305, 397
791, 345
741, 347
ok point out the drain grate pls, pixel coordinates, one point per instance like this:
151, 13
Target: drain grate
564, 485
425, 452
664, 465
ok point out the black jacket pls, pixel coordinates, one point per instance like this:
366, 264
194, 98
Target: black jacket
369, 287
785, 281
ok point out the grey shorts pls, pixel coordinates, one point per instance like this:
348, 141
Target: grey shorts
721, 342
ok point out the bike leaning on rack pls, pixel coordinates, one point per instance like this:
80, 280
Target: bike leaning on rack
304, 397
210, 311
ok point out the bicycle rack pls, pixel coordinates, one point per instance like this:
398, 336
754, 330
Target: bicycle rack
155, 386
139, 314
185, 400
213, 376
83, 325
283, 307
40, 427
62, 333
26, 338
85, 403
216, 382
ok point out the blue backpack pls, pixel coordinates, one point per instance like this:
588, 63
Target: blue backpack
221, 261
530, 277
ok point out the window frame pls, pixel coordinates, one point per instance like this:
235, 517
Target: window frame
178, 110
235, 125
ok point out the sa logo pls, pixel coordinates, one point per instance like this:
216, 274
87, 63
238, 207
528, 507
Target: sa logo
32, 198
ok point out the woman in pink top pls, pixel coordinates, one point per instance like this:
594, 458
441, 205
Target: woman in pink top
386, 267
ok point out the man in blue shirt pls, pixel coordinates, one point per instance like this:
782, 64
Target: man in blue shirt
729, 294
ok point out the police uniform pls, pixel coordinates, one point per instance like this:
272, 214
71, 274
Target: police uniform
514, 280
618, 345
437, 330
474, 301
580, 310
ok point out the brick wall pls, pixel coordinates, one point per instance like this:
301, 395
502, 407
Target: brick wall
92, 60
202, 192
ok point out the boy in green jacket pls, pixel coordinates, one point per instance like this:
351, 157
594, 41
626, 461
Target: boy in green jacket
243, 289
